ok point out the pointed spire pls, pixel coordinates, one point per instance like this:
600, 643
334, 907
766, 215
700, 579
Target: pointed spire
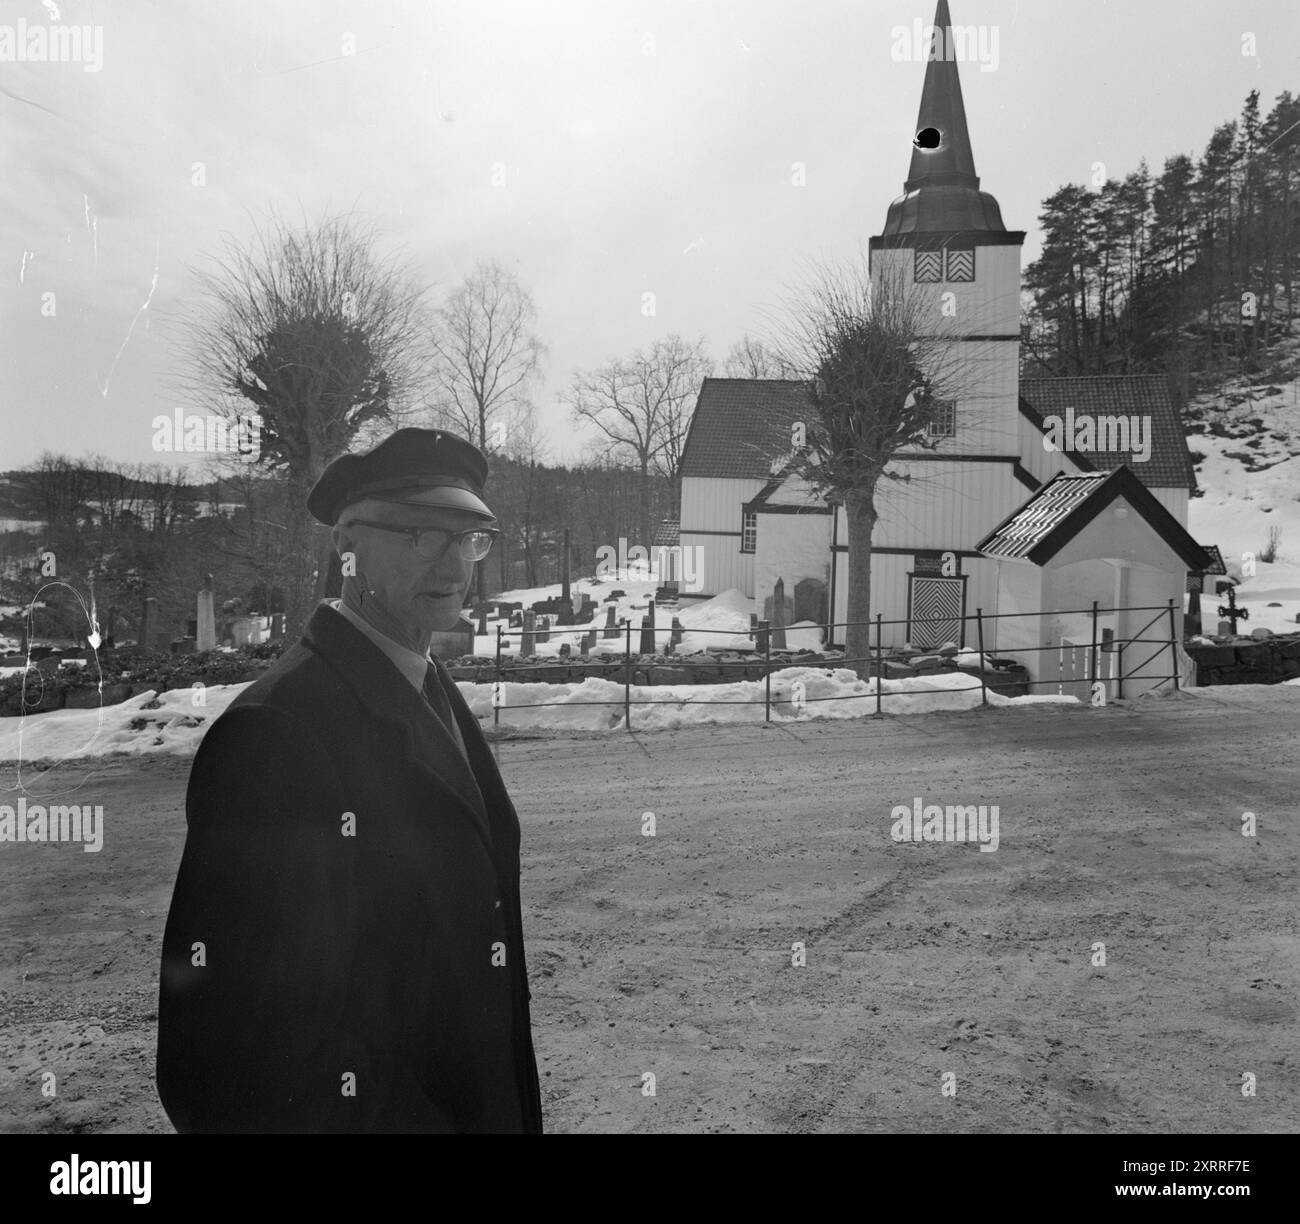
941, 196
948, 161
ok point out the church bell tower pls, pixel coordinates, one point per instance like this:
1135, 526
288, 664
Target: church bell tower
946, 237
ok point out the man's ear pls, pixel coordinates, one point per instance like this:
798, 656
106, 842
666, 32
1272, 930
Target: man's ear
342, 538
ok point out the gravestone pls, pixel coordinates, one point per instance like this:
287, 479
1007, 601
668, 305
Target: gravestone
277, 626
148, 626
544, 629
611, 629
516, 619
760, 636
768, 612
565, 650
647, 635
528, 644
589, 642
482, 622
810, 600
675, 638
205, 633
778, 615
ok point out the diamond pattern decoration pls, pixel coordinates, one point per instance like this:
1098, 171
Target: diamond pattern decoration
936, 612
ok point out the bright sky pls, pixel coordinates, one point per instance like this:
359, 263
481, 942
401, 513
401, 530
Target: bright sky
638, 147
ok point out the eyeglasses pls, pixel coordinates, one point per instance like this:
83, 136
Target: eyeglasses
431, 543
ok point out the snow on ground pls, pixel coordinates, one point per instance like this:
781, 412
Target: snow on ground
592, 705
720, 622
177, 725
1252, 483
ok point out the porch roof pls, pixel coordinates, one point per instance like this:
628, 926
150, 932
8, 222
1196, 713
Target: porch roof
1064, 506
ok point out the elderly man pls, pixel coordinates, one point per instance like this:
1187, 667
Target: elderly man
344, 949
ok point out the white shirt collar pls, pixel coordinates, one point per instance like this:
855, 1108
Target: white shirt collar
407, 661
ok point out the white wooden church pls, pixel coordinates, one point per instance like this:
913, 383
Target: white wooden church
1036, 487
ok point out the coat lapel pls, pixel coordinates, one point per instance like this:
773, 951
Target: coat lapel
485, 767
418, 733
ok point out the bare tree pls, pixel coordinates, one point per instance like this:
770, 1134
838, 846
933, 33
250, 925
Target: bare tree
643, 406
486, 354
322, 337
882, 367
751, 358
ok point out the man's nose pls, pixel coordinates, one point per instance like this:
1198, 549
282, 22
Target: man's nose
452, 566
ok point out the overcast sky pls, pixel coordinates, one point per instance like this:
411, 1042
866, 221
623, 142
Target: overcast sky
646, 147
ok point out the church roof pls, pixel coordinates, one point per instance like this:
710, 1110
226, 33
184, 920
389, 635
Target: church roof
1097, 395
1064, 506
741, 425
941, 195
668, 534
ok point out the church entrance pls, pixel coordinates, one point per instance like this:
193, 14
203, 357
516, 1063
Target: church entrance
936, 610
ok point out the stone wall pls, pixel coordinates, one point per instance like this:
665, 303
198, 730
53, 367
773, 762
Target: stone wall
1267, 659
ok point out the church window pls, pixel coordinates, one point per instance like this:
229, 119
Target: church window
748, 531
943, 422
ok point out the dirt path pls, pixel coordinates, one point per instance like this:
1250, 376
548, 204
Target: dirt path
671, 955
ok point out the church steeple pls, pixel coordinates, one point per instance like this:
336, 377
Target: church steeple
941, 194
941, 152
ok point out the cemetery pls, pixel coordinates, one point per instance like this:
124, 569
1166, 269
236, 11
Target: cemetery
567, 639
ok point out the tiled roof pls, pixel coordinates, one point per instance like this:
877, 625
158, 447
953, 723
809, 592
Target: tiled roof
667, 535
1218, 566
741, 424
1064, 506
1147, 395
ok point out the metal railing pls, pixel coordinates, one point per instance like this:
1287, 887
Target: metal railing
877, 657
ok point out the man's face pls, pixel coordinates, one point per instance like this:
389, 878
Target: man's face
414, 595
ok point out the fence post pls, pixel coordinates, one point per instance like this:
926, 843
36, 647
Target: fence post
1092, 659
880, 666
1173, 643
767, 673
627, 678
979, 625
496, 688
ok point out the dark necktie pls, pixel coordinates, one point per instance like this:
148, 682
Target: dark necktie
436, 696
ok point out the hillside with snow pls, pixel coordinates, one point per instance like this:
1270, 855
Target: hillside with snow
1245, 445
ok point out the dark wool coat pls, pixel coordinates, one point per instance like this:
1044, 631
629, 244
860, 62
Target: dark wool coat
344, 950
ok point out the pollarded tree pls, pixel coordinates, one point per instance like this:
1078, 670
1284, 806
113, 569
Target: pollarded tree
883, 368
322, 337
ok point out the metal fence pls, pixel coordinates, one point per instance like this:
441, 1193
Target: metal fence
1080, 666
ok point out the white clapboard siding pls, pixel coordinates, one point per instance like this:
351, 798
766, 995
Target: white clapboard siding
944, 505
711, 521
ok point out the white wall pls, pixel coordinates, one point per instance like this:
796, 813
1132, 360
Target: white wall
792, 547
713, 505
